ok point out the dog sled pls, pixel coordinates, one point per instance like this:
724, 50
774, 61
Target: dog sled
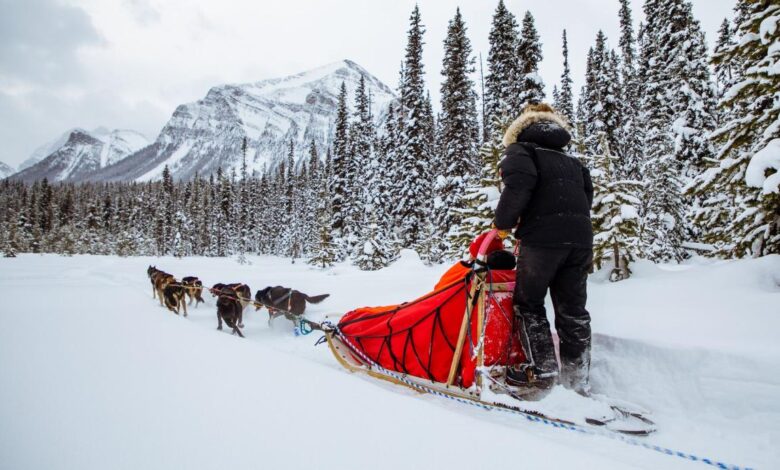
458, 341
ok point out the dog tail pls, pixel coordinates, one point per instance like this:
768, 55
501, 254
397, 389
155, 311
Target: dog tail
317, 298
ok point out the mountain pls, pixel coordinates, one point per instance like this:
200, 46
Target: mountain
79, 153
6, 171
208, 134
45, 150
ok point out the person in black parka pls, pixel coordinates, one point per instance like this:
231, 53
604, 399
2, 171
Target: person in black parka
547, 197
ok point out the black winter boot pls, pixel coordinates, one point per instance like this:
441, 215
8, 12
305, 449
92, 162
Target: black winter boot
575, 373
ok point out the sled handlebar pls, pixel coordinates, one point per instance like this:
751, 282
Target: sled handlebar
483, 248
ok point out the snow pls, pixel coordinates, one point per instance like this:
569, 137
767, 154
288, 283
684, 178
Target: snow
6, 170
172, 163
268, 113
628, 212
766, 159
768, 28
535, 78
97, 375
46, 149
118, 144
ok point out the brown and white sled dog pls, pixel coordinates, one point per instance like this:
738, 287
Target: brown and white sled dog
174, 296
160, 279
229, 309
285, 301
193, 287
151, 271
241, 292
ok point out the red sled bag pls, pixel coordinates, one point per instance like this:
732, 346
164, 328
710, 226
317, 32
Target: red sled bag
468, 313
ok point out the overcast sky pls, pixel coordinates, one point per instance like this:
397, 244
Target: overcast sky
129, 63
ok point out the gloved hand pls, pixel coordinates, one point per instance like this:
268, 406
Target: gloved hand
502, 234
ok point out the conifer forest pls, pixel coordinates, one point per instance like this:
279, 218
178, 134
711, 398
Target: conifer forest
683, 145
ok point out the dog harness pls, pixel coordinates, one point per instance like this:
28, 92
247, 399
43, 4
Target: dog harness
287, 297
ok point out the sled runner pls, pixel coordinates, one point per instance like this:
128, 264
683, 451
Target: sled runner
456, 341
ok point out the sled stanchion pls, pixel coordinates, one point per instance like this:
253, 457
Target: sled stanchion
462, 335
480, 359
481, 336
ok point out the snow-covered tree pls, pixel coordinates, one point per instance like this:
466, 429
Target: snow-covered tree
615, 215
563, 99
482, 198
502, 68
630, 133
740, 192
602, 100
724, 69
374, 250
676, 119
412, 190
325, 252
340, 181
693, 101
530, 87
459, 132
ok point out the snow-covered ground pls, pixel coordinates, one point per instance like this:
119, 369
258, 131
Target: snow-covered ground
95, 374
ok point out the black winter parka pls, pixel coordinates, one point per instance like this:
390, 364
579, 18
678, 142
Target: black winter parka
547, 194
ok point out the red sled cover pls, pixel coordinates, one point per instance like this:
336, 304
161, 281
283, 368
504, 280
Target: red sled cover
419, 338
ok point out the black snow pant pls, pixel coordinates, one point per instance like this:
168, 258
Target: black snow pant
564, 271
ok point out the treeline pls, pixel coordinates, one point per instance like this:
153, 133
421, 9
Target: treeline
682, 146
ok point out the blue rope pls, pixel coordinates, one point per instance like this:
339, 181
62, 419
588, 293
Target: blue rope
537, 419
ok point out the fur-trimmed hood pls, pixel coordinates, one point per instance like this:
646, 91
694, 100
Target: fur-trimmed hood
527, 119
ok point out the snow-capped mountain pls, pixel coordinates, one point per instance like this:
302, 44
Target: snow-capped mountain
80, 152
45, 150
6, 171
207, 134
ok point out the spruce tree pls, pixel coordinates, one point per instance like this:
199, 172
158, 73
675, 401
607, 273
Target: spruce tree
340, 182
325, 252
740, 203
676, 119
603, 100
503, 69
412, 192
244, 211
615, 215
530, 87
564, 104
630, 133
459, 134
361, 155
311, 193
482, 198
694, 97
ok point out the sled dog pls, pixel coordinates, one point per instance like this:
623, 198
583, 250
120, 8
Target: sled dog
241, 292
193, 287
285, 301
229, 309
160, 280
174, 296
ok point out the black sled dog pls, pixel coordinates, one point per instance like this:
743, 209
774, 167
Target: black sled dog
229, 309
241, 292
285, 301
